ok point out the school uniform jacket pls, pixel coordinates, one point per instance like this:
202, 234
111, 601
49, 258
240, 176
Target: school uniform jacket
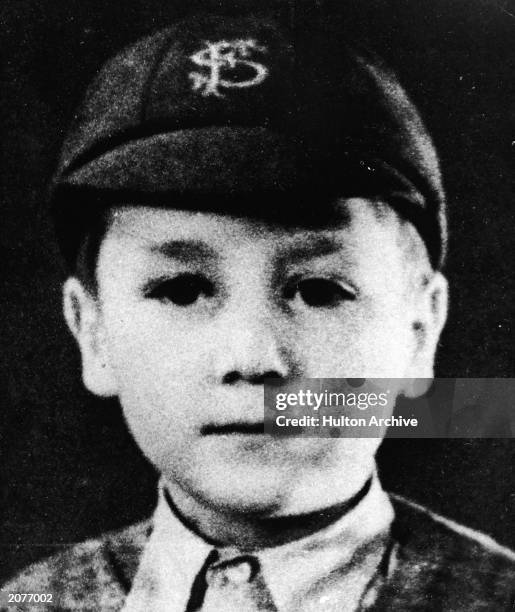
432, 564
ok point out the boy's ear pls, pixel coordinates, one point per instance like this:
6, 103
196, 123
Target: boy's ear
430, 317
84, 319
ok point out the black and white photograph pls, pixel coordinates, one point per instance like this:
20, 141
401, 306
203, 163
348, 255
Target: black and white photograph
257, 306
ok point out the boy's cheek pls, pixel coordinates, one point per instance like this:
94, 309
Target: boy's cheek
140, 344
378, 348
161, 421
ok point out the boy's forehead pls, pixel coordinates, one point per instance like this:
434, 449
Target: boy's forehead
153, 228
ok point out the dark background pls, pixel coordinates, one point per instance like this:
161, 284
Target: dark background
68, 469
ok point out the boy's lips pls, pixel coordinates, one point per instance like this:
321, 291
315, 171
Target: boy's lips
233, 428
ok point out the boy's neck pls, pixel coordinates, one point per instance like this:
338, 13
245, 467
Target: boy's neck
254, 532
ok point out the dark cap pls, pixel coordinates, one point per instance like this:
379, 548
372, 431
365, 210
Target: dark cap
251, 117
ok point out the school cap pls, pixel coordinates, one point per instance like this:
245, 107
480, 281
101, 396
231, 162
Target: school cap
252, 117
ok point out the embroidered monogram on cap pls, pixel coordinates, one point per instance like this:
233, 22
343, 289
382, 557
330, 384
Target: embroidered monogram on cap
226, 56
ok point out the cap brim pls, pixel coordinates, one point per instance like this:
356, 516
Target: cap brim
214, 160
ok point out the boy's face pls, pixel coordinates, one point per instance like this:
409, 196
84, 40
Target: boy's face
194, 310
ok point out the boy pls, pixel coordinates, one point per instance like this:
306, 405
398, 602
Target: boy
241, 201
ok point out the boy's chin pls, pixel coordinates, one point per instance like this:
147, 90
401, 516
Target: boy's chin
268, 492
243, 491
268, 479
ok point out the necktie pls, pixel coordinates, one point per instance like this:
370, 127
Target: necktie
236, 585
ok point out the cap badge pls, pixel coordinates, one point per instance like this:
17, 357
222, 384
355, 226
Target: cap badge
226, 61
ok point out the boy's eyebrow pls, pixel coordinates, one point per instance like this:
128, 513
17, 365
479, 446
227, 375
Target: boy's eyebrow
313, 246
185, 251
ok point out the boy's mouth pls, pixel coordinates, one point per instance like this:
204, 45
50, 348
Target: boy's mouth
233, 428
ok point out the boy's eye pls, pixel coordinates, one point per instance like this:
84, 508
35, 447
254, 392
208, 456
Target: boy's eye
320, 292
182, 290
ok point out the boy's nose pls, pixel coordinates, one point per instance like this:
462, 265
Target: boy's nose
253, 347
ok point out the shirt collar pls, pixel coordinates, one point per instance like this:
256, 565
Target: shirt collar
348, 551
350, 548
